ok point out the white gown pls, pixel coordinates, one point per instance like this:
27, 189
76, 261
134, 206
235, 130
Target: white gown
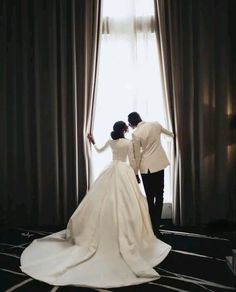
108, 241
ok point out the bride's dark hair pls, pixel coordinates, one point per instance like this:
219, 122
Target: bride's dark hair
118, 130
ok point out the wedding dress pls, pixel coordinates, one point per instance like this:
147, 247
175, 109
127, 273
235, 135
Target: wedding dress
108, 241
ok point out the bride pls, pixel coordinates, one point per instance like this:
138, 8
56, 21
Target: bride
109, 240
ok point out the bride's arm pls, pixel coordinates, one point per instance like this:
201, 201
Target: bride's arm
98, 149
104, 147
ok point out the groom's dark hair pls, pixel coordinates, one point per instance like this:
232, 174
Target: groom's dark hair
134, 118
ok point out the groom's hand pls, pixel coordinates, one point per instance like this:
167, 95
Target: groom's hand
138, 179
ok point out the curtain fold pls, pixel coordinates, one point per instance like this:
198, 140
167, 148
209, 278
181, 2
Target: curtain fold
87, 43
198, 64
44, 108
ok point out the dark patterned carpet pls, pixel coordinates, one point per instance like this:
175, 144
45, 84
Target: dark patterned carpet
197, 261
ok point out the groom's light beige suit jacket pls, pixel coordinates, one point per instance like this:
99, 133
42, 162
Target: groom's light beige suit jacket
148, 151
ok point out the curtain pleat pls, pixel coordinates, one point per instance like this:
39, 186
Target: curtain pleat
43, 107
196, 47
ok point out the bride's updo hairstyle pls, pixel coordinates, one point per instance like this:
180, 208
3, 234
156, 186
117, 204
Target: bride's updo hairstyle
119, 128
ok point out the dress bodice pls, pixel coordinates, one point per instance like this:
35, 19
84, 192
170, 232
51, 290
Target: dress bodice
121, 149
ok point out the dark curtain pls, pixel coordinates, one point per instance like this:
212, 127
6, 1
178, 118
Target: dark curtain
196, 39
48, 57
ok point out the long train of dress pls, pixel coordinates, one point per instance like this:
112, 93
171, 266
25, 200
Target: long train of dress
108, 241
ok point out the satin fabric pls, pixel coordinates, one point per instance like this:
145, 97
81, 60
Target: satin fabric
108, 241
148, 150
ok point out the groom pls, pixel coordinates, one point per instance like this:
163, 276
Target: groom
150, 159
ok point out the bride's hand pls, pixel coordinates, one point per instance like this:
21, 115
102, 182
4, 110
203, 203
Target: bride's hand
91, 138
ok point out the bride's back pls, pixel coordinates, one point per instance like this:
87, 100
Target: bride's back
120, 149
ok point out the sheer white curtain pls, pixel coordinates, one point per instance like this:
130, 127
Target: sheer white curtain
129, 76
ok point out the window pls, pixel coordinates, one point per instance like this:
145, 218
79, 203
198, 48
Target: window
129, 73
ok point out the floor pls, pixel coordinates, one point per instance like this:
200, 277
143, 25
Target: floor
197, 261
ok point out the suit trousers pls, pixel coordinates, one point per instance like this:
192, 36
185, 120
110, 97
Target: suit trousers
154, 188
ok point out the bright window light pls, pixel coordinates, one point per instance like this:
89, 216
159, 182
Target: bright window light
129, 76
